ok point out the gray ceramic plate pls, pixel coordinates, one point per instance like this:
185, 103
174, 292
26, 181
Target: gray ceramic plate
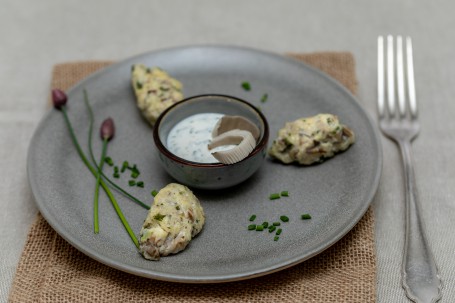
336, 193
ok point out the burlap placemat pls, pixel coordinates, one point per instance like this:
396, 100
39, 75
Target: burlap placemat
51, 270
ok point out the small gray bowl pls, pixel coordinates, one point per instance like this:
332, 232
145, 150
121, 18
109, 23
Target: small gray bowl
209, 175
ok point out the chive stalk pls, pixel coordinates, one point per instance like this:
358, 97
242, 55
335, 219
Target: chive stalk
97, 188
107, 131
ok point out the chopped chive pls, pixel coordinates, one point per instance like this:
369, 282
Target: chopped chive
132, 183
159, 217
285, 193
274, 196
253, 217
276, 238
306, 216
116, 169
265, 224
272, 228
124, 166
116, 175
140, 184
252, 227
154, 193
259, 228
276, 223
264, 98
278, 232
134, 175
246, 86
284, 218
109, 161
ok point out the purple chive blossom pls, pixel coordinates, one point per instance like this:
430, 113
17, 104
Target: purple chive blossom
107, 129
59, 98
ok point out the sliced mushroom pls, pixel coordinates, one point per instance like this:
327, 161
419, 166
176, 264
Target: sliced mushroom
227, 123
243, 139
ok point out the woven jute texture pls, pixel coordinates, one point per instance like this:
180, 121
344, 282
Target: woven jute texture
51, 270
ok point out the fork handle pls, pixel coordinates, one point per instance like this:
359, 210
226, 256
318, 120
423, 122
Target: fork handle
420, 274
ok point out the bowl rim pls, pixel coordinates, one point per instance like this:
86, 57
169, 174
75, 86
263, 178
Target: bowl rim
163, 149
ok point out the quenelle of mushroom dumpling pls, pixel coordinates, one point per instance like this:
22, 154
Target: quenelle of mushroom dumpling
174, 219
155, 90
311, 140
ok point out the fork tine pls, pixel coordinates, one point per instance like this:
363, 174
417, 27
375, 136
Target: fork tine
400, 77
381, 87
390, 76
411, 83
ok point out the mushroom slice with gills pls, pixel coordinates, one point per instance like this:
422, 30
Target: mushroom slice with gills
244, 141
227, 123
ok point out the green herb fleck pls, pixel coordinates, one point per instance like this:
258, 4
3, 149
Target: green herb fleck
138, 85
272, 228
246, 86
253, 217
259, 228
265, 224
159, 217
276, 223
278, 232
306, 217
132, 183
154, 193
276, 238
140, 184
177, 207
116, 175
284, 218
274, 196
252, 227
134, 175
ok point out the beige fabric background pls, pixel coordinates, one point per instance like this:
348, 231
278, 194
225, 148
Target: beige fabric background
50, 270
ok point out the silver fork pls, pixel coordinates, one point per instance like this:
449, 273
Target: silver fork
398, 121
